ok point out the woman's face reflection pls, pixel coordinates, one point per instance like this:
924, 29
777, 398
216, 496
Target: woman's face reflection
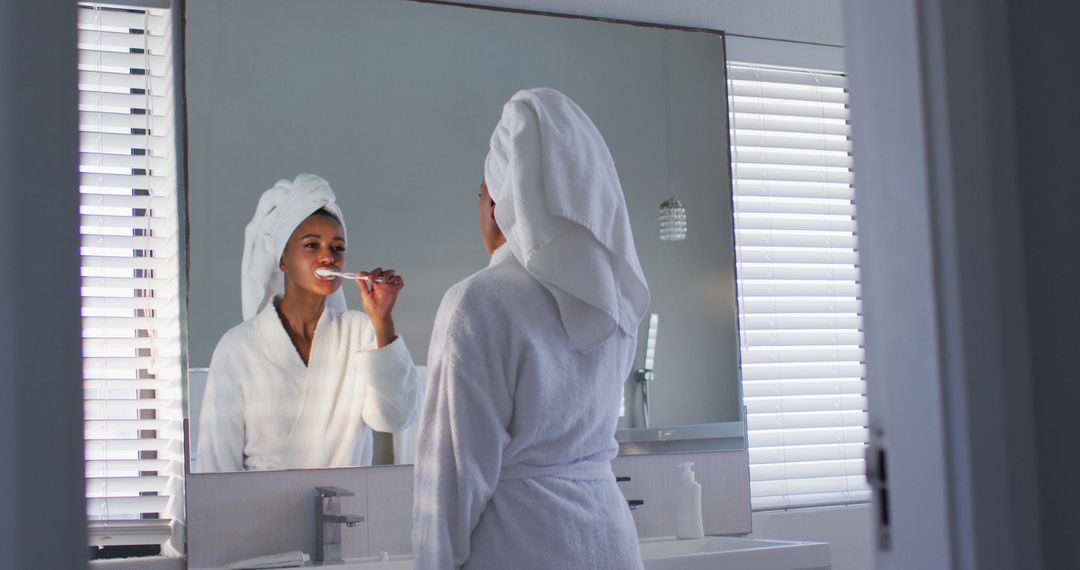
317, 242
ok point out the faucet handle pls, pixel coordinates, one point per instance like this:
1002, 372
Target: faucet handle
334, 492
347, 520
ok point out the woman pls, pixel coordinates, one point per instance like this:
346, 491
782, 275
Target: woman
303, 381
528, 359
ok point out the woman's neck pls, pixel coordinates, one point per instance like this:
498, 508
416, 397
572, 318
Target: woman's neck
299, 312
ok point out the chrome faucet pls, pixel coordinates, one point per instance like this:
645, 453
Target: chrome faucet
644, 376
328, 521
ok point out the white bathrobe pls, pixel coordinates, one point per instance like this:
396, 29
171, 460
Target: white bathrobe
517, 434
264, 409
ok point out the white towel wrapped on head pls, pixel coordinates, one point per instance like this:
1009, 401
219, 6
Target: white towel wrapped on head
559, 203
280, 210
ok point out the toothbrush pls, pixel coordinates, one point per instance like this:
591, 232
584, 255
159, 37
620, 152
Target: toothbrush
326, 273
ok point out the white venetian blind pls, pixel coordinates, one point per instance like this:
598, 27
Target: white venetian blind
130, 270
798, 286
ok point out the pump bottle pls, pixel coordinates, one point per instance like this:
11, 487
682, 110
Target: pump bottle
688, 505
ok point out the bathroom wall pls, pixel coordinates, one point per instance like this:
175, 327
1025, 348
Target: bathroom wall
269, 512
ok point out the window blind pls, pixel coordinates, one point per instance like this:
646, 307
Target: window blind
798, 286
130, 271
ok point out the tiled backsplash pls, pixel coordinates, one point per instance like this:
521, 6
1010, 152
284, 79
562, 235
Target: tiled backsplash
232, 516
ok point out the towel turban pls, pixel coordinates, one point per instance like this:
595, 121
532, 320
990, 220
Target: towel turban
561, 207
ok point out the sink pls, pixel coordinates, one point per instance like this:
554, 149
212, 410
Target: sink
395, 562
668, 553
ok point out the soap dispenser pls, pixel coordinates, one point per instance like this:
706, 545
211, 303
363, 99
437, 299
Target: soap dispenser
688, 504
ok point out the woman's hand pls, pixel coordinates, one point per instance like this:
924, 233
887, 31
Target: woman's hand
378, 299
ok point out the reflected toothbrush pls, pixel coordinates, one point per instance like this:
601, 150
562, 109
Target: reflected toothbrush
325, 273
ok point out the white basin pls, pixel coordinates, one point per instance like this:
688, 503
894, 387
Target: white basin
733, 553
667, 553
395, 562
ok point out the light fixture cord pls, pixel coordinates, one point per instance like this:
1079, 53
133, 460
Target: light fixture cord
667, 111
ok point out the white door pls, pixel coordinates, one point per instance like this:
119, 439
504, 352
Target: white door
946, 345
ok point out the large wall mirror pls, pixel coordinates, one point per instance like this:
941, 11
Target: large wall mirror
394, 101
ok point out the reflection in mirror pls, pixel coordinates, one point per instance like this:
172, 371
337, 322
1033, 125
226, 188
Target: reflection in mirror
393, 103
302, 381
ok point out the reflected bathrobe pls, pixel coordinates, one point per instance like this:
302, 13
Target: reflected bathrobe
264, 409
517, 434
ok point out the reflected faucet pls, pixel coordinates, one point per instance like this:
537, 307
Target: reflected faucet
645, 375
328, 521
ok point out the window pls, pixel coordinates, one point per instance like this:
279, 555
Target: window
130, 278
798, 286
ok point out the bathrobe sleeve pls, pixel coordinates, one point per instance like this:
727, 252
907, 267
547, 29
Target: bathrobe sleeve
463, 431
221, 422
393, 384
